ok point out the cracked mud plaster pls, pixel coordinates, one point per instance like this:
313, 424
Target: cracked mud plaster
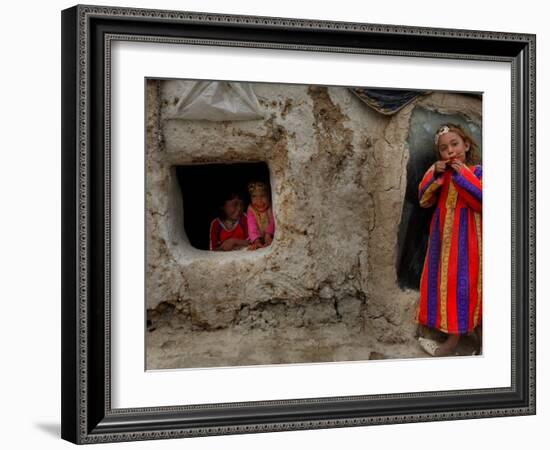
338, 179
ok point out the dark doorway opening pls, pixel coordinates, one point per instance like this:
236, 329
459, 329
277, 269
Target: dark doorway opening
203, 189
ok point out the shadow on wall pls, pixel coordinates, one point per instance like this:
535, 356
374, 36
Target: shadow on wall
415, 221
203, 188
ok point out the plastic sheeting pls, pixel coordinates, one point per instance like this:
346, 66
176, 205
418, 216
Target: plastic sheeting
216, 101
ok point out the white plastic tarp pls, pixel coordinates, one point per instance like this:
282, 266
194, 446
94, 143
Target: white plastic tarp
216, 101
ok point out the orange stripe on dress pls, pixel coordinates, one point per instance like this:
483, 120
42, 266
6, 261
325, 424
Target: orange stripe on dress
451, 304
422, 311
479, 231
446, 234
428, 198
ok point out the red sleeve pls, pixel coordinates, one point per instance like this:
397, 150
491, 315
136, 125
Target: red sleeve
428, 188
244, 224
214, 234
469, 186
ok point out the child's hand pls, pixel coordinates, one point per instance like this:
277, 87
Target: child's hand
255, 245
227, 245
268, 239
440, 166
457, 165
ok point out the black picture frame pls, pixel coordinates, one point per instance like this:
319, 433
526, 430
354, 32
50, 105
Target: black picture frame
87, 416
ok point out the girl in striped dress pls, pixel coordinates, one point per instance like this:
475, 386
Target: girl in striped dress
450, 285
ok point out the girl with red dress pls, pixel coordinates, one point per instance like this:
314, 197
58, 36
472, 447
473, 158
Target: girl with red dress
450, 285
229, 231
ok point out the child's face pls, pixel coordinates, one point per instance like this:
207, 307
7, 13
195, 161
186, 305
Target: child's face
452, 146
233, 208
259, 200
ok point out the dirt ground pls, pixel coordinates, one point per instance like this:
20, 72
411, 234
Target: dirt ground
172, 344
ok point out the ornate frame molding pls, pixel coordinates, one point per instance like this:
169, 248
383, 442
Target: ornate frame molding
86, 323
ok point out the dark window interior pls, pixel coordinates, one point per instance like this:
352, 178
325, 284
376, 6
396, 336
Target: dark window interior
203, 188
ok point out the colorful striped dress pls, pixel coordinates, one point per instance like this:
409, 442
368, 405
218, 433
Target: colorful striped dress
450, 285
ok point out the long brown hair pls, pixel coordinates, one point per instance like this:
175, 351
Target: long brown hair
472, 155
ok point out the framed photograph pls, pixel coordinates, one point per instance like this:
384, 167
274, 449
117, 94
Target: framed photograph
274, 224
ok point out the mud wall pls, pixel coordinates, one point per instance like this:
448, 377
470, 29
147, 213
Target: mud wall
338, 180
